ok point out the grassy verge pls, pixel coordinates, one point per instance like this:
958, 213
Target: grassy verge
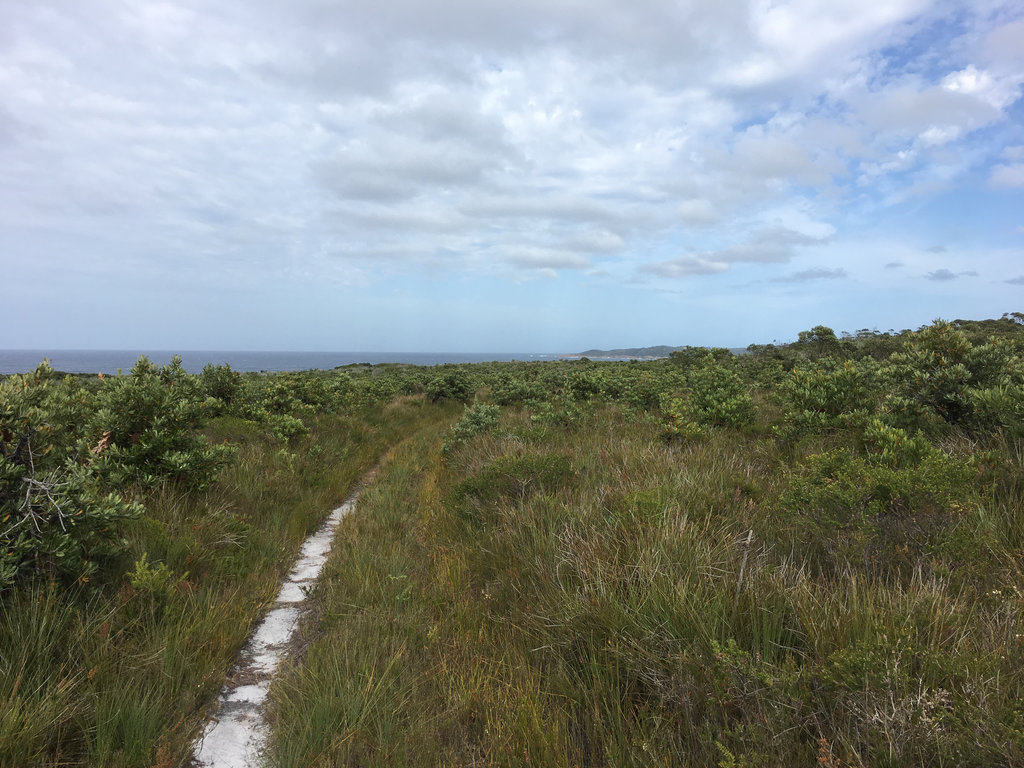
119, 677
586, 594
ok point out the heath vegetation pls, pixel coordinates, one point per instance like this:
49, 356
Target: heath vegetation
810, 554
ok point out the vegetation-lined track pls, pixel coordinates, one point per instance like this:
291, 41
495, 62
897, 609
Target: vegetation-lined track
236, 735
746, 578
115, 668
811, 553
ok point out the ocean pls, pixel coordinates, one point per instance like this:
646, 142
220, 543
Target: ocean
111, 361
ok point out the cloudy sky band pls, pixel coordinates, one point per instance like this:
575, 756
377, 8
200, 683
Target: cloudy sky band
408, 175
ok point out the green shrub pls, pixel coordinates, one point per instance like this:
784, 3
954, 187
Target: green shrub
937, 377
223, 385
56, 517
285, 427
146, 429
820, 341
998, 407
155, 583
482, 417
584, 385
677, 421
829, 395
453, 384
562, 412
513, 390
884, 509
691, 357
717, 397
642, 391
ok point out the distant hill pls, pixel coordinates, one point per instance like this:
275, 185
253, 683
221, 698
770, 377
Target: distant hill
641, 353
659, 351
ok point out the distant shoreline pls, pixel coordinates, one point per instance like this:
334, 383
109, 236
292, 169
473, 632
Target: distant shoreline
92, 361
640, 353
110, 361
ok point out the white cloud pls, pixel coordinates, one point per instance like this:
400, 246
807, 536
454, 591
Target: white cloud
767, 245
540, 259
1001, 46
778, 157
1011, 175
945, 275
913, 110
796, 38
481, 138
815, 273
936, 136
684, 266
594, 241
997, 92
697, 213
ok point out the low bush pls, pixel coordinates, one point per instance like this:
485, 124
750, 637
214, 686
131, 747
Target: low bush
57, 515
715, 396
935, 382
883, 511
481, 418
829, 395
453, 384
146, 429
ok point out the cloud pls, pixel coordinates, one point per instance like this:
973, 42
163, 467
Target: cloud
936, 249
684, 266
797, 38
945, 275
999, 92
768, 244
765, 245
1007, 175
1016, 280
894, 265
912, 110
816, 273
697, 213
459, 140
773, 156
539, 259
594, 241
1001, 46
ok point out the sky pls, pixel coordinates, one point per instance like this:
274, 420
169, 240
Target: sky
537, 176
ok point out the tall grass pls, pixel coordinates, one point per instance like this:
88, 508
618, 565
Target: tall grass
572, 595
120, 677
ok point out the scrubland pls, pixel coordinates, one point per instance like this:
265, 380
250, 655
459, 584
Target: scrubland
807, 555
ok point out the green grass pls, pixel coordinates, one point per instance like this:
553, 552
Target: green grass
608, 565
120, 676
571, 595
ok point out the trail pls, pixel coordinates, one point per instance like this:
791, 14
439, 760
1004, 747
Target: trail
237, 735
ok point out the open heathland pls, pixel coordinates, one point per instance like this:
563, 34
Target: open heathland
807, 554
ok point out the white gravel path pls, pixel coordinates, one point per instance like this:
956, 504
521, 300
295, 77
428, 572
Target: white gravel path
237, 735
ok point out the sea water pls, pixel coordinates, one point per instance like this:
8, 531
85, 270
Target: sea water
111, 361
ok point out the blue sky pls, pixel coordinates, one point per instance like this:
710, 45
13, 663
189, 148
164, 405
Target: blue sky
547, 175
